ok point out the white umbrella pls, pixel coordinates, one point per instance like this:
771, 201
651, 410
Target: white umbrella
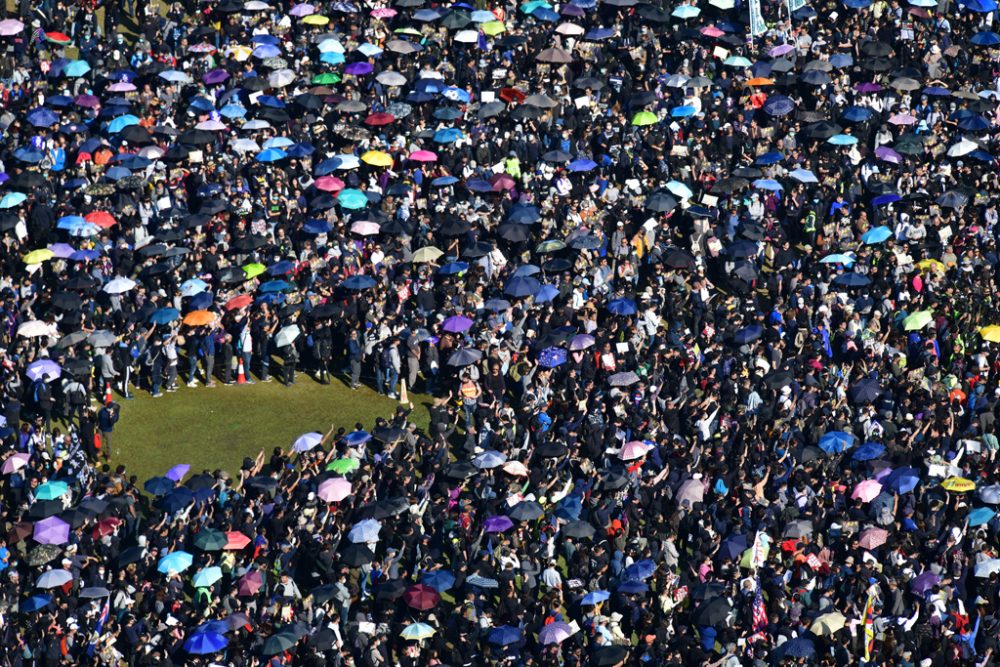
365, 531
287, 335
54, 579
34, 329
390, 78
256, 125
256, 6
963, 147
119, 285
987, 568
281, 78
151, 152
330, 46
211, 125
990, 494
692, 490
307, 441
570, 29
244, 146
467, 36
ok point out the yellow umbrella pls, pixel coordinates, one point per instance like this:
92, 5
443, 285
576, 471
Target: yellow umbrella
827, 624
934, 264
241, 53
426, 254
39, 256
316, 19
407, 31
958, 484
991, 333
253, 270
918, 320
377, 159
492, 28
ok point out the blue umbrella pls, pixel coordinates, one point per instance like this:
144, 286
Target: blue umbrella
159, 486
980, 515
595, 597
117, 173
453, 268
748, 334
641, 569
985, 38
76, 68
682, 111
12, 199
583, 164
193, 286
43, 117
525, 270
439, 580
505, 635
281, 268
856, 114
176, 500
34, 603
357, 438
316, 226
479, 185
546, 293
733, 547
524, 215
834, 442
852, 279
28, 154
779, 105
799, 647
842, 140
838, 258
352, 199
902, 480
120, 123
448, 135
359, 282
979, 6
869, 451
201, 301
621, 306
771, 157
974, 123
633, 587
858, 4
202, 643
551, 357
522, 286
886, 199
876, 235
768, 184
442, 181
85, 255
271, 155
839, 59
803, 176
175, 561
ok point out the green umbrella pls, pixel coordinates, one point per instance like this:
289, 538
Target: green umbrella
326, 79
343, 466
43, 553
644, 118
253, 270
918, 320
210, 540
51, 490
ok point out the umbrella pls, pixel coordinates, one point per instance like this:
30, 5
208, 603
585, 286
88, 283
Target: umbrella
958, 484
864, 392
926, 581
918, 320
712, 612
554, 633
51, 530
828, 624
505, 635
872, 538
207, 577
867, 490
175, 561
439, 580
417, 631
334, 490
421, 597
203, 643
365, 531
54, 579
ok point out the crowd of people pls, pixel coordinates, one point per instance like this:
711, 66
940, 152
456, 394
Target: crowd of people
703, 295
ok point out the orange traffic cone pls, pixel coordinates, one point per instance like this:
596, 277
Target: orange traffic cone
108, 398
241, 376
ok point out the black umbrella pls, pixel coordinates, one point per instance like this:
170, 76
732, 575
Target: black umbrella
526, 510
606, 656
712, 612
864, 392
356, 555
578, 530
278, 643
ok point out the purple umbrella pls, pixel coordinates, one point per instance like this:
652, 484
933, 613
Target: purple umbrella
358, 69
924, 582
498, 524
62, 250
305, 9
87, 101
581, 342
457, 324
215, 76
177, 472
887, 154
554, 633
867, 87
44, 369
52, 530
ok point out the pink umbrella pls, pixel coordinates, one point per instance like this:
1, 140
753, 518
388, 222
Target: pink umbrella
334, 490
902, 119
515, 468
383, 13
780, 50
423, 156
692, 490
235, 540
329, 184
633, 450
15, 462
867, 490
365, 227
250, 583
873, 538
52, 530
121, 87
502, 182
10, 27
711, 31
304, 9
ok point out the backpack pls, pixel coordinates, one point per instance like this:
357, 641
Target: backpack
385, 356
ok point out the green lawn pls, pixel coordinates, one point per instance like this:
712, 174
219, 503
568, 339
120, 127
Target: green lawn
217, 428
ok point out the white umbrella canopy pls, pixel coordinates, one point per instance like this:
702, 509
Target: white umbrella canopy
287, 335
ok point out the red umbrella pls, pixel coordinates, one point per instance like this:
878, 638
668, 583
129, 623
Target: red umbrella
237, 540
421, 597
58, 37
101, 219
250, 583
22, 530
105, 527
241, 301
379, 119
512, 95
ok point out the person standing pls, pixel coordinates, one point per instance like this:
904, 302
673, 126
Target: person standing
106, 420
355, 352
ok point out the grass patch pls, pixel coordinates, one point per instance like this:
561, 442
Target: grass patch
217, 428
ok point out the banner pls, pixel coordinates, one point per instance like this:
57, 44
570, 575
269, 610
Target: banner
795, 4
757, 25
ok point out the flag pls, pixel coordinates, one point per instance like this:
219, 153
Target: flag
102, 619
757, 25
758, 615
795, 4
869, 625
